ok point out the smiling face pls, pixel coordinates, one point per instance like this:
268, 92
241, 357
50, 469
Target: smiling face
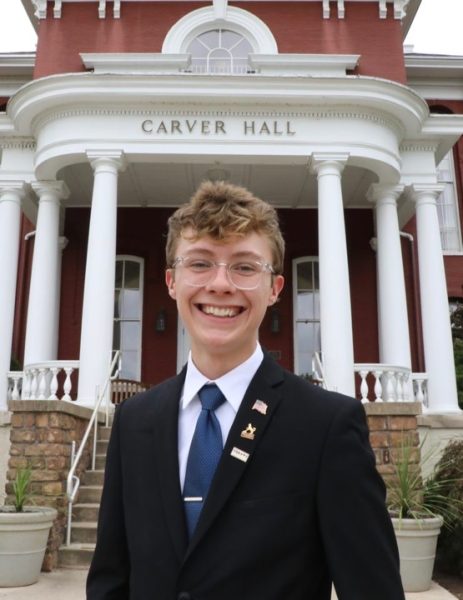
223, 321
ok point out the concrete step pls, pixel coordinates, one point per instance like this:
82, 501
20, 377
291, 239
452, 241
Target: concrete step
93, 477
90, 494
85, 512
83, 532
76, 556
102, 446
100, 461
104, 433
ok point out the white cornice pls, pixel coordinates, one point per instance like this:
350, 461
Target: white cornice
135, 62
315, 65
59, 91
17, 63
434, 66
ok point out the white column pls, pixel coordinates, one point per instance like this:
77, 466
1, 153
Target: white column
437, 335
43, 308
98, 307
335, 303
62, 243
394, 337
11, 194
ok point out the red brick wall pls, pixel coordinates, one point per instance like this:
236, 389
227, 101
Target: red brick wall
297, 27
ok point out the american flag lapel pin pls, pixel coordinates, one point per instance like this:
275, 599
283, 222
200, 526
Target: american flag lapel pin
260, 406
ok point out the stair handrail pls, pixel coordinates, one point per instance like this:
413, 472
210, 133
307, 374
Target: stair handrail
318, 370
73, 481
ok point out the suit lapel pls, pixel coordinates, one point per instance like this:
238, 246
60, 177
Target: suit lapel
238, 450
166, 440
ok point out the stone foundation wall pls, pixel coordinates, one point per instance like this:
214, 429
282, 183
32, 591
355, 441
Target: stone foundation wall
41, 435
436, 431
389, 423
5, 420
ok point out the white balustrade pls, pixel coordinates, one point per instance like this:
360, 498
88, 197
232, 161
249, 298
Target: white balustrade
15, 380
391, 383
50, 380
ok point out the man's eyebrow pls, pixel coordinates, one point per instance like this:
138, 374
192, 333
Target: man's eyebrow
235, 255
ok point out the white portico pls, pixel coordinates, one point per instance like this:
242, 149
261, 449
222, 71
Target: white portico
143, 130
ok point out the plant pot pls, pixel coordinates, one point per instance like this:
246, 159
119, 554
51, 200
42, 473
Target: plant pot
417, 541
23, 540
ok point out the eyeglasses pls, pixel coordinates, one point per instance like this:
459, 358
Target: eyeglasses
244, 275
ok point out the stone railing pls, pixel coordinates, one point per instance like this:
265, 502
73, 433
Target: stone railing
390, 383
50, 380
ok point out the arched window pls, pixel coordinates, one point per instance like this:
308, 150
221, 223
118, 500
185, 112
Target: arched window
306, 311
219, 51
128, 310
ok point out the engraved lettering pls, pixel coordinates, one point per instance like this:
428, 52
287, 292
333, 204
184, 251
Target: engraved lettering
249, 127
205, 127
264, 128
276, 131
175, 127
190, 125
288, 128
147, 126
220, 127
162, 128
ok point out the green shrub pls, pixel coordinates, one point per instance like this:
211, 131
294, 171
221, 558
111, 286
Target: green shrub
449, 469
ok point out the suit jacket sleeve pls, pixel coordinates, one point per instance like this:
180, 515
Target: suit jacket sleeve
357, 533
108, 578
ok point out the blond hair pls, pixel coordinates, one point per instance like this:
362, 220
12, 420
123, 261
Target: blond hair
221, 210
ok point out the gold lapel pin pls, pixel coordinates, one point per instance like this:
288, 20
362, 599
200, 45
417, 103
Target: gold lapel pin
249, 432
260, 406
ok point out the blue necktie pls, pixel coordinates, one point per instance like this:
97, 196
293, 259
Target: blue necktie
203, 458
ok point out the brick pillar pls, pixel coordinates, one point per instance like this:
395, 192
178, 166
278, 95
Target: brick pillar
41, 435
389, 423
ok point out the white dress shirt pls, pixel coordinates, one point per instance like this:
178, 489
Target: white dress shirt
233, 386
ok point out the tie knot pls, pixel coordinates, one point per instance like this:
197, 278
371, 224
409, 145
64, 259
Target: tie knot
211, 397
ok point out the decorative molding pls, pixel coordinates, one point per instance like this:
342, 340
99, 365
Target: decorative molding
135, 62
57, 10
40, 8
18, 143
400, 9
341, 9
220, 8
237, 19
315, 65
326, 9
102, 9
382, 9
419, 146
379, 191
117, 9
57, 188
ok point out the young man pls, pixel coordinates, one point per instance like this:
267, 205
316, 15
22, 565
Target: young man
237, 480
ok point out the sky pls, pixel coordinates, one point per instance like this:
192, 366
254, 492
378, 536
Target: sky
437, 28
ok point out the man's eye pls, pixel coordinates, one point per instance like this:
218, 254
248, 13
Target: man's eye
199, 265
244, 268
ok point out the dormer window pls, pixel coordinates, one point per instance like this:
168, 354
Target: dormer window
219, 51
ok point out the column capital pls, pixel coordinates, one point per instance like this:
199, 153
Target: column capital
425, 193
102, 160
324, 161
382, 193
15, 187
58, 189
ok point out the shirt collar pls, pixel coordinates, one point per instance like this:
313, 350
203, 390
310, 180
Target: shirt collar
233, 384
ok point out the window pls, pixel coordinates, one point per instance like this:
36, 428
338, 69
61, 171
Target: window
128, 307
306, 311
219, 51
447, 207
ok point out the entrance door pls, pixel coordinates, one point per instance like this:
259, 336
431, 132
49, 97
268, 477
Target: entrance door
306, 311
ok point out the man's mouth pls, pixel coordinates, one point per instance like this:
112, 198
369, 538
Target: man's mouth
220, 311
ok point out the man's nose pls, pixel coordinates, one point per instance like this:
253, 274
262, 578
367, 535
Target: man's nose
220, 278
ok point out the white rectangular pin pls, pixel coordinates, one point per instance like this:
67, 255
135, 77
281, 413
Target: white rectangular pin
260, 406
239, 454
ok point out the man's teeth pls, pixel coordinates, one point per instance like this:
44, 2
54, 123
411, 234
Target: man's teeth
220, 311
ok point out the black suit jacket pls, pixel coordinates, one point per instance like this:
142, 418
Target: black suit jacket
305, 509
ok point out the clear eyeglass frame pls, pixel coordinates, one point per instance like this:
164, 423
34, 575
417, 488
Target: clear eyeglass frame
244, 274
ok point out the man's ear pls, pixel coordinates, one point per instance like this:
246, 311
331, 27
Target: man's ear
277, 285
170, 282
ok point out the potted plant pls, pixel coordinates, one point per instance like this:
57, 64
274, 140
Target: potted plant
419, 508
23, 535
